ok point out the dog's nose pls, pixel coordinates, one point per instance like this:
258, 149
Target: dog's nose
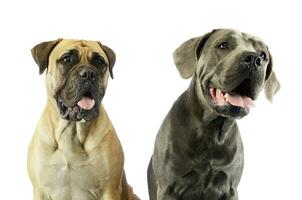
88, 74
252, 59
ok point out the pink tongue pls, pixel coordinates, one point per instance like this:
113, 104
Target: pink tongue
234, 99
237, 100
86, 103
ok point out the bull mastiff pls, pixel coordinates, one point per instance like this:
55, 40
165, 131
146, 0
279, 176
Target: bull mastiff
198, 153
75, 153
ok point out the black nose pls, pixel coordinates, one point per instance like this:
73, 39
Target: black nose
251, 59
88, 74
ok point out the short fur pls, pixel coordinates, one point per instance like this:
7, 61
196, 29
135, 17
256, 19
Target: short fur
75, 159
198, 153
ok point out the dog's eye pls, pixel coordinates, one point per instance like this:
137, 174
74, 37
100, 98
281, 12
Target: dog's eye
223, 45
100, 61
263, 55
66, 59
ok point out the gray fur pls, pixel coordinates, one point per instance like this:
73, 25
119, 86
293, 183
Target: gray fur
198, 152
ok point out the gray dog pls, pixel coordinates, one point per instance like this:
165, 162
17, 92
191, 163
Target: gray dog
198, 152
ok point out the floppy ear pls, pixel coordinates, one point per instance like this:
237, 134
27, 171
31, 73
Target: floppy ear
187, 54
41, 52
111, 57
271, 85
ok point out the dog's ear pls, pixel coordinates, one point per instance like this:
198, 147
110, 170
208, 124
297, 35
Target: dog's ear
41, 53
111, 57
272, 85
187, 54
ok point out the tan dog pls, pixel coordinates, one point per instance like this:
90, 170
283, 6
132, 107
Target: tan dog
75, 153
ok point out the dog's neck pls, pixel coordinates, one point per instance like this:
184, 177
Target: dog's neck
59, 129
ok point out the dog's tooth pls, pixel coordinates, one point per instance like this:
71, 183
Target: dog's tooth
213, 93
218, 92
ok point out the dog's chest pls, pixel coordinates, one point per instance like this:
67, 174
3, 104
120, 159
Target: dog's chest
209, 167
205, 179
71, 172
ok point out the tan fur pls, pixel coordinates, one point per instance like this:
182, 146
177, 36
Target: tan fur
75, 160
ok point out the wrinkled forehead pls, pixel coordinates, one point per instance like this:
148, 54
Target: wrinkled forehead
236, 38
83, 47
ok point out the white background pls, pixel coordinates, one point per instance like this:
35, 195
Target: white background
144, 34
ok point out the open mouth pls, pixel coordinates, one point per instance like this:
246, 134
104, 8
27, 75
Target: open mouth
86, 103
242, 96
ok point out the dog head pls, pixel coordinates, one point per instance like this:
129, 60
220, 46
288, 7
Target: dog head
77, 75
230, 69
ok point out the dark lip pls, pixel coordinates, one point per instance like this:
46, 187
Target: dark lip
76, 113
232, 111
214, 105
244, 88
228, 109
85, 93
63, 107
88, 94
